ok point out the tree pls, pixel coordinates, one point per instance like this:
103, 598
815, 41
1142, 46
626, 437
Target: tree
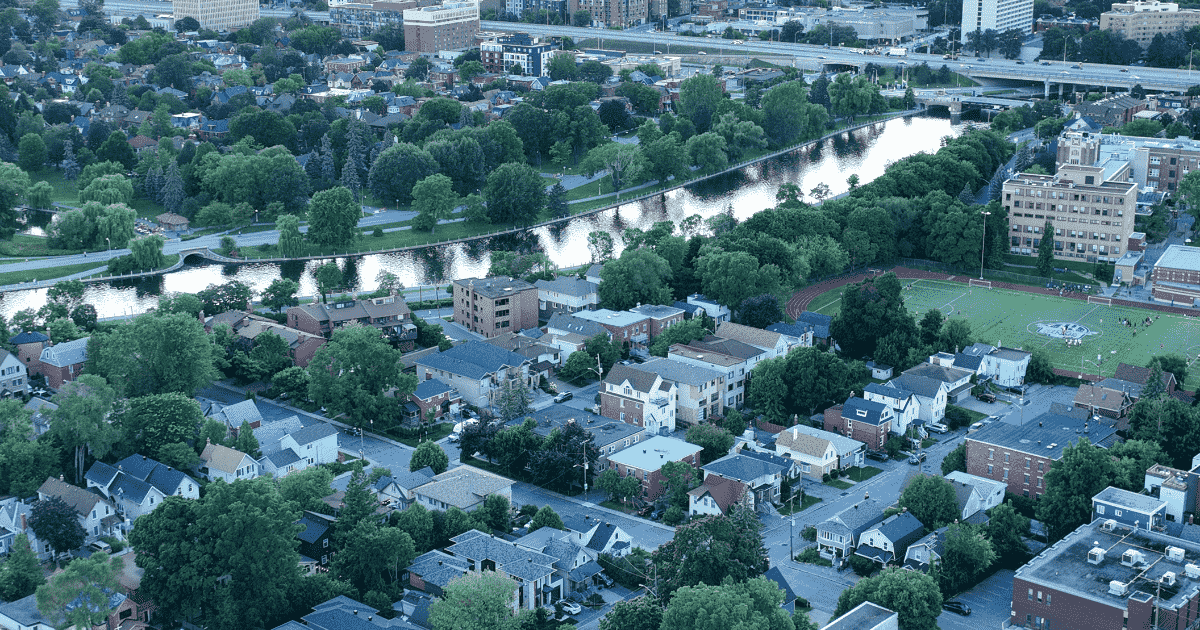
82, 594
417, 522
333, 217
179, 455
1173, 363
187, 24
789, 117
1154, 384
639, 613
31, 152
600, 245
434, 200
398, 169
81, 422
25, 463
515, 194
715, 441
476, 601
512, 401
291, 241
1040, 369
755, 603
21, 574
228, 296
1045, 261
115, 149
955, 460
56, 524
1081, 473
150, 423
353, 373
699, 98
912, 594
638, 276
546, 517
172, 193
711, 549
39, 195
429, 454
147, 253
154, 354
931, 500
708, 152
967, 556
281, 293
374, 557
14, 184
870, 310
513, 446
741, 136
418, 70
305, 489
623, 488
1005, 529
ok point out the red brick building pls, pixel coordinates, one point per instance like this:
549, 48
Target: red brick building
63, 362
1176, 275
626, 327
860, 419
434, 394
494, 306
644, 461
389, 314
301, 345
638, 397
29, 348
661, 317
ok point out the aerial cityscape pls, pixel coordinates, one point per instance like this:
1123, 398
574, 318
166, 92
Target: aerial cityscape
607, 314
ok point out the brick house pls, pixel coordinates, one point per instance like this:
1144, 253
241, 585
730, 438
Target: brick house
436, 395
302, 345
661, 317
491, 306
1021, 455
29, 348
860, 419
699, 389
645, 461
389, 314
477, 370
63, 362
637, 397
627, 328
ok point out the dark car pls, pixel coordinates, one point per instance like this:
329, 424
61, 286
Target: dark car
1045, 63
987, 397
646, 510
564, 397
878, 456
913, 460
957, 607
1020, 63
657, 513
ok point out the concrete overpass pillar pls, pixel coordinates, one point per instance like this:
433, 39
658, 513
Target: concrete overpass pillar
1046, 91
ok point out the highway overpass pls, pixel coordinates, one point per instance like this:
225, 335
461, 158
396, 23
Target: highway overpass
1050, 74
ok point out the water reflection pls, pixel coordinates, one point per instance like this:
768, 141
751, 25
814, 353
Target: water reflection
866, 152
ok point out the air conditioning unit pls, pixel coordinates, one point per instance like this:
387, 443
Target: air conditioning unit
1133, 558
1191, 570
1109, 525
1174, 554
1168, 578
1117, 588
1096, 555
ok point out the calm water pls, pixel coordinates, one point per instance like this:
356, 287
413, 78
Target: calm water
866, 152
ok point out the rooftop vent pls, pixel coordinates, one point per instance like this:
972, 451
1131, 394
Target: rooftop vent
1174, 554
1168, 578
1109, 525
1117, 588
1191, 570
1132, 558
1096, 555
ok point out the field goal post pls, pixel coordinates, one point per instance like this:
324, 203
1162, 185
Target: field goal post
1096, 299
986, 284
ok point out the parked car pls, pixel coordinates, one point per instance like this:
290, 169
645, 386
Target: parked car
937, 427
657, 513
646, 510
571, 607
987, 397
454, 437
1045, 63
564, 397
100, 546
607, 581
878, 456
957, 607
914, 461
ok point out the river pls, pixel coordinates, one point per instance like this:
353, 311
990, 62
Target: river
866, 152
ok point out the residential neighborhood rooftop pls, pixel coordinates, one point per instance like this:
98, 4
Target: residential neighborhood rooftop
654, 452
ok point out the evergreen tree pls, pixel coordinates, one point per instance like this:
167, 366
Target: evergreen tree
69, 165
171, 194
350, 175
1045, 262
966, 196
119, 95
328, 173
21, 574
152, 184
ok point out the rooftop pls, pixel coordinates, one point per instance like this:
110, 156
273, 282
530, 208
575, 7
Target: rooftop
497, 287
463, 487
679, 371
1140, 503
656, 311
1048, 434
474, 359
619, 319
841, 443
653, 453
863, 410
742, 468
606, 430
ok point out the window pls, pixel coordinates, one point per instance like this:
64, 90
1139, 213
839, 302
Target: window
1041, 466
1030, 594
991, 453
1117, 512
1039, 596
325, 543
1027, 479
1006, 458
1027, 463
1005, 477
989, 469
1099, 509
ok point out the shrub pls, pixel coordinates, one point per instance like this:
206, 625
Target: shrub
825, 478
812, 556
377, 232
809, 533
835, 473
862, 566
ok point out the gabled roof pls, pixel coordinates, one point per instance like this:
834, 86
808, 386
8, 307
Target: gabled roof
731, 347
803, 442
79, 499
572, 324
244, 411
64, 354
474, 359
463, 487
510, 558
938, 372
414, 479
900, 526
431, 387
1102, 398
920, 385
314, 528
568, 285
222, 458
313, 433
268, 434
282, 458
640, 380
855, 519
888, 390
679, 372
818, 321
756, 337
725, 492
101, 474
841, 443
863, 410
130, 488
1139, 375
29, 336
743, 468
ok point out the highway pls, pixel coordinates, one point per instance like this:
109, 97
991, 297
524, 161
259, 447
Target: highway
812, 57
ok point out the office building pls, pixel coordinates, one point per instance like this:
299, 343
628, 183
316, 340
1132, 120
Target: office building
218, 15
448, 26
1141, 21
998, 15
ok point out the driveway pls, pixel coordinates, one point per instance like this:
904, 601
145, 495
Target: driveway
990, 602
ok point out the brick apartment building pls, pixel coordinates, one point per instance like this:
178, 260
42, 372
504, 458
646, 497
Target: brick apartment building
1090, 209
638, 397
860, 419
448, 26
645, 461
493, 306
661, 317
1157, 163
389, 314
626, 327
618, 13
1020, 455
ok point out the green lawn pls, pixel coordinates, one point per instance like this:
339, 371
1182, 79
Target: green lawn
812, 556
31, 275
974, 416
68, 192
839, 484
617, 505
26, 246
1012, 318
809, 501
435, 433
862, 473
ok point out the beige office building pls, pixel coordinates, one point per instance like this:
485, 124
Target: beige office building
1090, 208
218, 15
1141, 21
448, 26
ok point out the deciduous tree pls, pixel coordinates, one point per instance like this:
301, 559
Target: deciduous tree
81, 595
429, 454
931, 500
476, 601
912, 594
81, 421
353, 373
57, 525
709, 550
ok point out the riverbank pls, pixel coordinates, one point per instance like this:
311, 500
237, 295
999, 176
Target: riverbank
86, 272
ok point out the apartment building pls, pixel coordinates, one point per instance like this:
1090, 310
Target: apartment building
734, 358
617, 13
218, 15
478, 371
564, 294
390, 314
448, 26
492, 306
1090, 208
698, 389
532, 56
998, 15
637, 397
625, 327
1155, 163
645, 461
360, 19
1141, 21
1176, 275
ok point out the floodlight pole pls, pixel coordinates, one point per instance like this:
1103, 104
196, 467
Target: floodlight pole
983, 247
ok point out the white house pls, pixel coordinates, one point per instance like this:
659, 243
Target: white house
1005, 366
566, 294
23, 614
776, 344
991, 492
930, 395
905, 407
714, 310
227, 464
478, 370
763, 478
309, 446
134, 497
816, 454
887, 542
956, 381
715, 496
97, 515
14, 378
465, 488
14, 518
850, 452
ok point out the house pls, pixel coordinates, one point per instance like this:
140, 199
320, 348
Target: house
343, 613
931, 396
565, 294
527, 343
956, 382
791, 468
879, 371
642, 398
699, 390
29, 346
887, 542
575, 565
569, 333
970, 502
714, 310
132, 496
606, 538
96, 514
399, 492
819, 324
776, 344
463, 487
1005, 366
785, 585
43, 411
925, 551
23, 614
1141, 375
534, 581
436, 396
1106, 401
866, 616
715, 496
432, 571
226, 464
14, 519
313, 445
610, 435
478, 370
645, 461
991, 492
237, 414
624, 327
735, 358
837, 537
63, 362
906, 410
860, 419
1129, 508
762, 477
817, 451
315, 554
302, 346
14, 376
661, 317
389, 314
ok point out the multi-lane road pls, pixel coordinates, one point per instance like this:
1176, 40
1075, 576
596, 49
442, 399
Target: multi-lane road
815, 57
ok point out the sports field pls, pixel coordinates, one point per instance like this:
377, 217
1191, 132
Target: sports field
1077, 335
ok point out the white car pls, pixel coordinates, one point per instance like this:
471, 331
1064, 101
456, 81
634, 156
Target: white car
572, 608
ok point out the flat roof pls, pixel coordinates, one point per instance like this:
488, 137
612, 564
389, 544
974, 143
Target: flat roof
1180, 257
865, 616
653, 453
1048, 434
619, 319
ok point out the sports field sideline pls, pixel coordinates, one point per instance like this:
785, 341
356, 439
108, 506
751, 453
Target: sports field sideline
1023, 320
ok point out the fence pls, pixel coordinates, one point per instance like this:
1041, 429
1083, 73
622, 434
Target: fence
991, 274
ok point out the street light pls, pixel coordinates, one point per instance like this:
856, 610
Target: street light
983, 247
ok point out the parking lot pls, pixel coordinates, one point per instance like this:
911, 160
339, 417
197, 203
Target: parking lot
990, 604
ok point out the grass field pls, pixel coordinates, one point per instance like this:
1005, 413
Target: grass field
1023, 320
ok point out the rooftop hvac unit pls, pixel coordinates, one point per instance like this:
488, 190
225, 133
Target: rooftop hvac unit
1109, 525
1096, 555
1174, 554
1168, 578
1132, 558
1191, 571
1117, 588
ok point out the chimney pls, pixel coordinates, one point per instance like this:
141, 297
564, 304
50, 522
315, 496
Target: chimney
25, 522
61, 478
143, 458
